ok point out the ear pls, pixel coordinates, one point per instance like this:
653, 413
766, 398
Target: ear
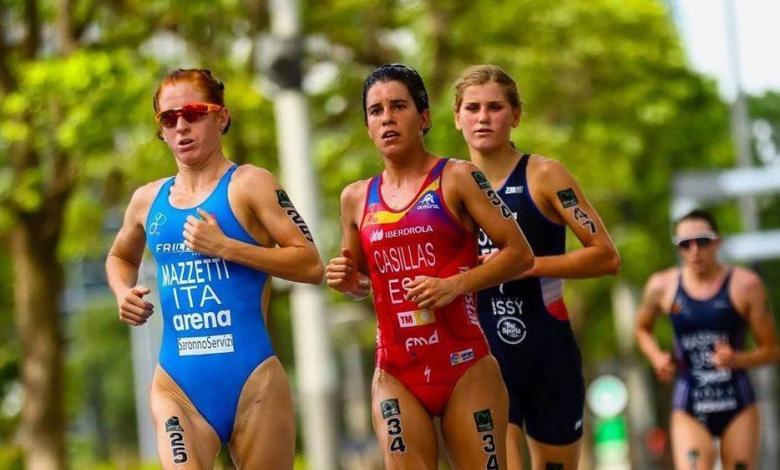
224, 118
425, 120
456, 115
516, 113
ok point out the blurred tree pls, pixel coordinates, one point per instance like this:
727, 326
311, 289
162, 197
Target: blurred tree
76, 78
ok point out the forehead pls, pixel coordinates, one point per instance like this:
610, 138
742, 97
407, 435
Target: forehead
692, 227
392, 90
176, 94
489, 91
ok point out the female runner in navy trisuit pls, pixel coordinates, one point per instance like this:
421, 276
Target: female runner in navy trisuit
710, 306
525, 320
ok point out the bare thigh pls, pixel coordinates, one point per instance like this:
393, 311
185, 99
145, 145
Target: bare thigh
475, 420
515, 437
550, 457
693, 446
185, 440
403, 428
739, 443
264, 431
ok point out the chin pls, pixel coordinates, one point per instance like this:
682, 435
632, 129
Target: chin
485, 146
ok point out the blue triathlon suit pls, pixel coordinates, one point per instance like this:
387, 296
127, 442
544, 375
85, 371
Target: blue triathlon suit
527, 326
713, 396
214, 334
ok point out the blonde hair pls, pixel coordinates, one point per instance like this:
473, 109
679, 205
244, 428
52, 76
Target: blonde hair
481, 74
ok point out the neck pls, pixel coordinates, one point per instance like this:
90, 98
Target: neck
408, 165
194, 175
707, 274
497, 163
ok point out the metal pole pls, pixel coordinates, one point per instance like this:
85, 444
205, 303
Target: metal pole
740, 129
145, 344
640, 396
313, 357
751, 222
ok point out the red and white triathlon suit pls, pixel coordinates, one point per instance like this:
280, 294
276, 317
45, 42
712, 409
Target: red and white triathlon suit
427, 351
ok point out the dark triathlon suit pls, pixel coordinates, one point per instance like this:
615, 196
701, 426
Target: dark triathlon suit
527, 326
426, 350
214, 334
713, 396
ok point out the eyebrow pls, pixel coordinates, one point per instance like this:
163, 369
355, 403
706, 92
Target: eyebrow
393, 101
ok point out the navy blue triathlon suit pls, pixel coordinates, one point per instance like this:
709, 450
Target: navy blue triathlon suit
527, 326
713, 396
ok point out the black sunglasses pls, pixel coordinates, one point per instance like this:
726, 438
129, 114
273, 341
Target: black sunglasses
701, 242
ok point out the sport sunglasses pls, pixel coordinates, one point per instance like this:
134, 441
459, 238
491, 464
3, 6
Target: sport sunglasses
192, 112
701, 240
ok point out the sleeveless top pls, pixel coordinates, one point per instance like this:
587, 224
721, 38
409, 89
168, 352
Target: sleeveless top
214, 334
423, 238
529, 310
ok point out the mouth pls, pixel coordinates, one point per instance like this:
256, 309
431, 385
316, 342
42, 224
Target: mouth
185, 144
389, 135
483, 131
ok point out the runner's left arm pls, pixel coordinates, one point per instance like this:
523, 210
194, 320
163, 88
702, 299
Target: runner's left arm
294, 257
480, 205
598, 255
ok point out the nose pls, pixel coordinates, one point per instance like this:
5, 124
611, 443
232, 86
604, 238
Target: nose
182, 124
387, 117
483, 115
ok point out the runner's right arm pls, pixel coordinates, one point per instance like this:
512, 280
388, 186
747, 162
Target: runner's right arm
348, 273
124, 259
662, 361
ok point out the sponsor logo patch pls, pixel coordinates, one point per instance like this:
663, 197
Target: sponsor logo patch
413, 318
390, 408
422, 341
173, 425
462, 356
427, 202
202, 345
484, 420
511, 330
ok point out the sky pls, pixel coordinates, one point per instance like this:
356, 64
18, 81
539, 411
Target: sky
703, 27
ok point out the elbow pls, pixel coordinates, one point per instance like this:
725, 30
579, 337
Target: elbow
613, 264
526, 263
315, 274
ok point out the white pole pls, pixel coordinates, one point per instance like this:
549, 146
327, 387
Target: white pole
313, 357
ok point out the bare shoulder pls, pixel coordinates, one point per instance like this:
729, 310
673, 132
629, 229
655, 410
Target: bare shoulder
745, 281
541, 168
459, 175
458, 169
661, 282
142, 200
354, 193
250, 177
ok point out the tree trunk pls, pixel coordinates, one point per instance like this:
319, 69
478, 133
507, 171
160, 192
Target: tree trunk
37, 288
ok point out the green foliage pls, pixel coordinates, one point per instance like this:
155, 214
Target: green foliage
100, 380
606, 90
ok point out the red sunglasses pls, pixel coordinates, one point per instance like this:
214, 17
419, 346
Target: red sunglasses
192, 112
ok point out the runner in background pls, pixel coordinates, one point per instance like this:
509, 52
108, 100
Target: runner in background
710, 305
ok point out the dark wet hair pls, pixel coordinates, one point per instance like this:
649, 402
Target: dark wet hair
399, 73
213, 90
699, 214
